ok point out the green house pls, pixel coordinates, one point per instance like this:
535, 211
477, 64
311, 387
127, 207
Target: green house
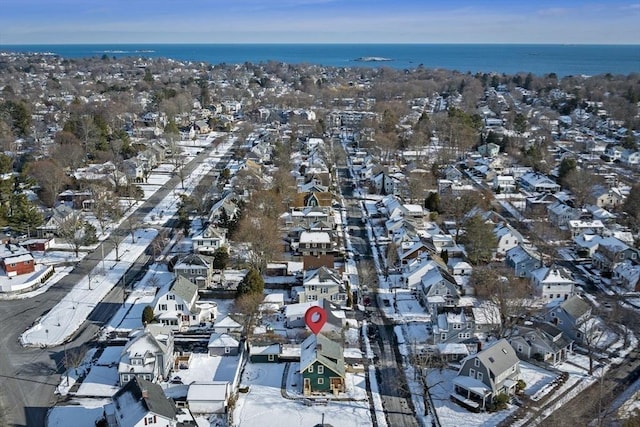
321, 365
264, 353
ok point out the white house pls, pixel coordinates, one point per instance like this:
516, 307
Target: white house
177, 308
552, 283
507, 238
323, 283
210, 397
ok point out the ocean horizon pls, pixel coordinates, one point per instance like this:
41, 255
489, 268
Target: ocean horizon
538, 59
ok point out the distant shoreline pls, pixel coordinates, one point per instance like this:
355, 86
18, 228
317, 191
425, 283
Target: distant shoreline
538, 59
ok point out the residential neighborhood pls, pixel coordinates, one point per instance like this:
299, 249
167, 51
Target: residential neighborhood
471, 239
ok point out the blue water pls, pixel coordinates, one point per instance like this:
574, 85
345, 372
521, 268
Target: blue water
509, 59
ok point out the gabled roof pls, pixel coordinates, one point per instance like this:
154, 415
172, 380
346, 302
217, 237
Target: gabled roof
222, 340
498, 358
184, 289
137, 398
322, 349
575, 307
227, 322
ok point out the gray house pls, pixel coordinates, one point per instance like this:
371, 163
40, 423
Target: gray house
523, 260
541, 341
223, 345
147, 356
485, 375
569, 316
198, 269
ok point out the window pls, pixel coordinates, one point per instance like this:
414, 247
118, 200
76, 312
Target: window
320, 381
480, 376
443, 337
179, 307
125, 378
472, 373
457, 326
228, 350
310, 369
271, 357
162, 307
324, 290
476, 362
171, 297
320, 369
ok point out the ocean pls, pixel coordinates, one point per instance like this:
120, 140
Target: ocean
539, 59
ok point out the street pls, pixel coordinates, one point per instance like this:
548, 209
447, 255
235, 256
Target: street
30, 375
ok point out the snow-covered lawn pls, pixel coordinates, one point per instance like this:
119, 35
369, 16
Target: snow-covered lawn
265, 406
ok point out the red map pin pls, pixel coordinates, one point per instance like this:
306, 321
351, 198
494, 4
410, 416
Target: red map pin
315, 317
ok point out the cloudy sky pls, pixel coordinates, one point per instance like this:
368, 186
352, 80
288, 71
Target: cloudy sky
319, 21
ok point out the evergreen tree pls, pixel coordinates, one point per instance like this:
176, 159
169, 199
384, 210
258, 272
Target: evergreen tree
253, 283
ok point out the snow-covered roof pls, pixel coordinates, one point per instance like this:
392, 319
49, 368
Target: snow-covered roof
222, 340
213, 391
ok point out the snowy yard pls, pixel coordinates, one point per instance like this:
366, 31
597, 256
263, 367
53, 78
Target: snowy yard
265, 406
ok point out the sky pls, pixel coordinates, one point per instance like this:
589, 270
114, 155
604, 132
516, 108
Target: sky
319, 21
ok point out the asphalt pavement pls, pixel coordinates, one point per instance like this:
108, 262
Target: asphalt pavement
29, 375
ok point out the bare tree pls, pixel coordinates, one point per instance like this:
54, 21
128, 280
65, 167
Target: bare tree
247, 307
71, 231
50, 177
73, 358
509, 295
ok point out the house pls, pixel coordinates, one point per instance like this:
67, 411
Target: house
437, 289
196, 268
140, 403
507, 238
148, 355
579, 226
322, 365
208, 397
489, 150
228, 325
58, 217
570, 316
16, 260
77, 199
612, 251
630, 157
523, 260
604, 197
177, 308
453, 325
265, 353
560, 214
552, 283
323, 283
538, 183
586, 244
222, 344
504, 183
209, 240
627, 275
451, 173
485, 375
317, 248
541, 341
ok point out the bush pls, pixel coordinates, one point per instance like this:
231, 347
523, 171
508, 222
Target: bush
147, 315
501, 401
521, 385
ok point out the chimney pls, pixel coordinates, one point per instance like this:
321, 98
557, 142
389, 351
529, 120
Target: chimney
145, 393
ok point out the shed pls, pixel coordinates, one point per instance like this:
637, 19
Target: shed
211, 397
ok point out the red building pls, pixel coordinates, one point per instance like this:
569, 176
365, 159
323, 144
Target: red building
18, 264
16, 260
